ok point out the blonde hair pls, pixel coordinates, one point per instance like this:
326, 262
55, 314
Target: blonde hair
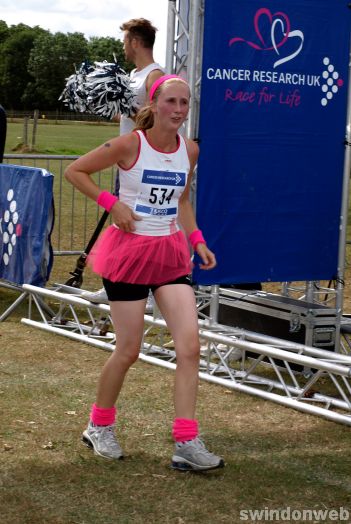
145, 117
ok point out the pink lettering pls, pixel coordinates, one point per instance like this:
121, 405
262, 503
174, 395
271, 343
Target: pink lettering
292, 99
240, 96
265, 97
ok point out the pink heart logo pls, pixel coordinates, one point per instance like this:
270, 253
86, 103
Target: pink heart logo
274, 19
279, 16
273, 30
279, 30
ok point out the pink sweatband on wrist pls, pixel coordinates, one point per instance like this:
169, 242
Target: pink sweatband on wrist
106, 200
184, 429
196, 237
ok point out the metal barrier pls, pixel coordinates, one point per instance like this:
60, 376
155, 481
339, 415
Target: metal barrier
17, 114
267, 367
76, 216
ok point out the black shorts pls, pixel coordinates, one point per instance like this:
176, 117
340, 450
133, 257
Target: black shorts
128, 292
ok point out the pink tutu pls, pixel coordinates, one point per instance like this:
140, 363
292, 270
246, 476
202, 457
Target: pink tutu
140, 259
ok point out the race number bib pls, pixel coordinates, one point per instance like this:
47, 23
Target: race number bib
160, 192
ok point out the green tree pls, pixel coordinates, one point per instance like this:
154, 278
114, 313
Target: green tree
106, 48
15, 47
35, 63
53, 58
4, 31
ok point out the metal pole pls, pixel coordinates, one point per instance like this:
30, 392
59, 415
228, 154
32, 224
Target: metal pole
182, 45
214, 304
170, 36
194, 18
13, 306
343, 217
310, 300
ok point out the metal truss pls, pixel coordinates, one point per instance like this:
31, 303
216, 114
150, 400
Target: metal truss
267, 367
177, 37
184, 50
312, 291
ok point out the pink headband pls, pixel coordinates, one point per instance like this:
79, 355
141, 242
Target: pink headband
160, 81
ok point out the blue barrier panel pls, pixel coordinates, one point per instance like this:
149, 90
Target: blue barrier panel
26, 222
272, 129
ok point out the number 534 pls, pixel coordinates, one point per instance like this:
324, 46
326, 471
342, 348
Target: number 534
160, 195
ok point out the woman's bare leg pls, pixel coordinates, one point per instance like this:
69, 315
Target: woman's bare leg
128, 322
178, 307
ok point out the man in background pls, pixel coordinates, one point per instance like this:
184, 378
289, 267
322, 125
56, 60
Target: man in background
138, 42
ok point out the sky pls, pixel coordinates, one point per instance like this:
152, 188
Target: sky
90, 17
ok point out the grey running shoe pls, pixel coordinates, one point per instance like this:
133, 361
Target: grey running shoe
192, 455
99, 297
103, 441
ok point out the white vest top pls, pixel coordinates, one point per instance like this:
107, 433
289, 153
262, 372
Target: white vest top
153, 185
138, 84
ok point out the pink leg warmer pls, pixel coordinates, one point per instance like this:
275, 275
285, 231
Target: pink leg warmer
184, 429
102, 416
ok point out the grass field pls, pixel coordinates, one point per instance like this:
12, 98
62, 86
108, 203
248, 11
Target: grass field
61, 138
276, 458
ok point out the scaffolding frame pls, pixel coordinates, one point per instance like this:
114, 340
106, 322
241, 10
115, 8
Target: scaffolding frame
267, 367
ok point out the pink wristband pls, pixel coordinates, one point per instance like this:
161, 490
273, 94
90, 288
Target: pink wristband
196, 237
106, 200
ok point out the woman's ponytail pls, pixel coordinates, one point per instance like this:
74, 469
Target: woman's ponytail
144, 119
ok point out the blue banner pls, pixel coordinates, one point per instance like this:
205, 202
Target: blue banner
272, 129
26, 222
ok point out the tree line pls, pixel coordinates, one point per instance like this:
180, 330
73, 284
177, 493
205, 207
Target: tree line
35, 63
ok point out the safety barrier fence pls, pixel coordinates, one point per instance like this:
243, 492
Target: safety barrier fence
16, 114
75, 215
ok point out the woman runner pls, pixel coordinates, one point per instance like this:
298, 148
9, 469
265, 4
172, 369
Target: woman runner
146, 249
